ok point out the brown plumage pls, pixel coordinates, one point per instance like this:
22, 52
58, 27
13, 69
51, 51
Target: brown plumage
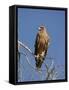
41, 46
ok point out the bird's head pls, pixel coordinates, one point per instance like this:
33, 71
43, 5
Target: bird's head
42, 29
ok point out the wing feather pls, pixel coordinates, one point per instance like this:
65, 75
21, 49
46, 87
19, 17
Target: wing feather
36, 44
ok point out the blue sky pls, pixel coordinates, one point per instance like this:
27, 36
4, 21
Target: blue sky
28, 22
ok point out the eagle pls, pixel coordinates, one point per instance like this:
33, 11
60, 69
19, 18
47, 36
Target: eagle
41, 46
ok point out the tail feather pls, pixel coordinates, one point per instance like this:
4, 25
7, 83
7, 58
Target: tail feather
39, 62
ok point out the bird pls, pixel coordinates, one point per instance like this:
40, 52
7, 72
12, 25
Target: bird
42, 42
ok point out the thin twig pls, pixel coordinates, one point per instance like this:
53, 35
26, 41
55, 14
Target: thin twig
23, 45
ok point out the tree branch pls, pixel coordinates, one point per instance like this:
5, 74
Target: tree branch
23, 45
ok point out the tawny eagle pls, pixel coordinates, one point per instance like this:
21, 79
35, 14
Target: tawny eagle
41, 46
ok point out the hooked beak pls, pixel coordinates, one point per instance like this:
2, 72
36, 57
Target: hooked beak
39, 28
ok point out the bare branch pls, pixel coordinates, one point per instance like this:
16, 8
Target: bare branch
29, 61
26, 47
51, 73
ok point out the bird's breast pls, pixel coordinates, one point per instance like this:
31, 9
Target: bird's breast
41, 46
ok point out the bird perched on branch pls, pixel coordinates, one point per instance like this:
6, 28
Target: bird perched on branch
41, 46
